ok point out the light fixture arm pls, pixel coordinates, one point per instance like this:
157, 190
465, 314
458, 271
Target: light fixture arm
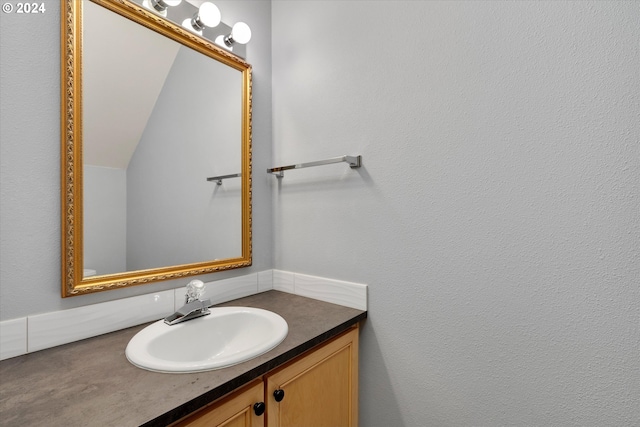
196, 22
159, 5
228, 40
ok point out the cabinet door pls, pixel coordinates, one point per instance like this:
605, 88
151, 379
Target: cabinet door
235, 410
320, 389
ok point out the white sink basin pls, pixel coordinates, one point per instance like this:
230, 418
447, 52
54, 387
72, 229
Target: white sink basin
227, 336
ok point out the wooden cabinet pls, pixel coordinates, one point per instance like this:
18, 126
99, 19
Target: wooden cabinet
317, 389
234, 410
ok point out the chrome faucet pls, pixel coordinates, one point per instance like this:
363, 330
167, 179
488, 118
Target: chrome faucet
193, 307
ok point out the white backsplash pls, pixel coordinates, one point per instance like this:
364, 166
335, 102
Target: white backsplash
339, 292
62, 327
41, 331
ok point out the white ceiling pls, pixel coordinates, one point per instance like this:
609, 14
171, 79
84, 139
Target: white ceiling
124, 68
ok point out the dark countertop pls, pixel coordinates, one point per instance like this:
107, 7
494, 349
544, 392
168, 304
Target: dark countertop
91, 383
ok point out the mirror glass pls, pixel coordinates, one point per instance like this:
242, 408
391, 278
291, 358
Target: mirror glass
155, 112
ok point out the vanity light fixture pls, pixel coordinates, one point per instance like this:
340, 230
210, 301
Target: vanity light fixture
208, 15
204, 21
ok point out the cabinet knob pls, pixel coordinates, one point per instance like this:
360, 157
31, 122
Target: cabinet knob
278, 395
259, 408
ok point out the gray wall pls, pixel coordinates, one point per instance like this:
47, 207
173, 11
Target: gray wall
496, 217
30, 159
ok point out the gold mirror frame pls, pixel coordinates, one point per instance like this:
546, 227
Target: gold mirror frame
73, 283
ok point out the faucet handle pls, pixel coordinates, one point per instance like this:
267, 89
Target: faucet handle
195, 290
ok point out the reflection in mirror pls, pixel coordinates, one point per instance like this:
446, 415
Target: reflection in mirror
147, 203
159, 116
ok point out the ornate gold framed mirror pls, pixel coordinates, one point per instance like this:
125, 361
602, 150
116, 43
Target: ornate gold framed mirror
155, 150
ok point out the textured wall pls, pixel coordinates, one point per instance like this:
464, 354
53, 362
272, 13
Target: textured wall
30, 159
496, 217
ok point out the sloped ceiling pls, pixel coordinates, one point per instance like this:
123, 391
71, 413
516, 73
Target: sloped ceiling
124, 68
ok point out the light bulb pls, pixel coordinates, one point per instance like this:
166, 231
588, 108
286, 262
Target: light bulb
209, 14
241, 33
172, 2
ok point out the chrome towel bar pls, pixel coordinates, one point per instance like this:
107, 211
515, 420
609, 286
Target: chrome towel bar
221, 177
354, 162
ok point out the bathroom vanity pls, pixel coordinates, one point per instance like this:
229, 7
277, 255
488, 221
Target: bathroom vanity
317, 388
91, 383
